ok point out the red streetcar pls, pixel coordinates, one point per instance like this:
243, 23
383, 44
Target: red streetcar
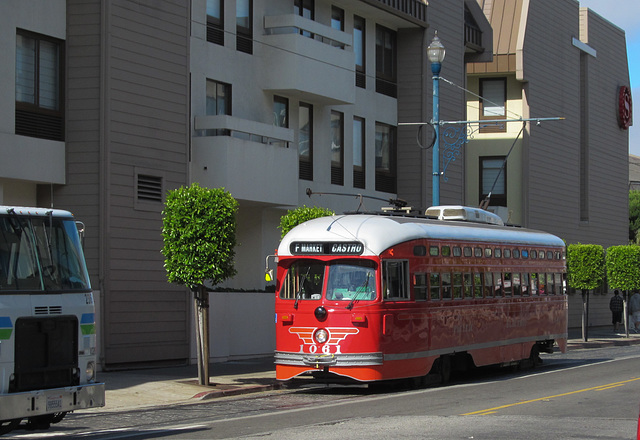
378, 297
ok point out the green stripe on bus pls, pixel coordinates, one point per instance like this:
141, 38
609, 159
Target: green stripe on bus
5, 333
88, 329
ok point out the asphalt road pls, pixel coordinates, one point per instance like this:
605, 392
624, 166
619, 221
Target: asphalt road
584, 394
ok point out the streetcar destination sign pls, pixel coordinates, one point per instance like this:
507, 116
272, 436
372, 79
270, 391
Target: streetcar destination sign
326, 248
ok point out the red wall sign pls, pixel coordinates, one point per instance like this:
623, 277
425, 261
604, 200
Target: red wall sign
624, 107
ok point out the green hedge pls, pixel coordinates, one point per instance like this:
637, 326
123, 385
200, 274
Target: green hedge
585, 266
301, 214
623, 267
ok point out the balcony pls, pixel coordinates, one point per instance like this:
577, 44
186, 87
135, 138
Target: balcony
309, 60
255, 162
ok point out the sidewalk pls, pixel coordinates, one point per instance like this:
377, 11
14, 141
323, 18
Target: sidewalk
134, 389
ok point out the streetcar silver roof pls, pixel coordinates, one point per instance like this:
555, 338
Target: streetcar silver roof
32, 211
378, 233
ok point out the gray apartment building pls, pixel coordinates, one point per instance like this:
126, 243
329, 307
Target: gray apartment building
109, 104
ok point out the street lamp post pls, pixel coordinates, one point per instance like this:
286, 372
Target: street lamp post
435, 53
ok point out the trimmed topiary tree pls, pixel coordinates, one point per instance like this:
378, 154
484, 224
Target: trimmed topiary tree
623, 272
301, 214
586, 271
199, 232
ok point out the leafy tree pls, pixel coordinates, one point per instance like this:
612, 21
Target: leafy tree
301, 214
634, 216
586, 271
623, 271
199, 232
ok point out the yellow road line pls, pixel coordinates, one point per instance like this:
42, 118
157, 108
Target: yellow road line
598, 388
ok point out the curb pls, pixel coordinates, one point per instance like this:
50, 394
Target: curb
600, 343
232, 390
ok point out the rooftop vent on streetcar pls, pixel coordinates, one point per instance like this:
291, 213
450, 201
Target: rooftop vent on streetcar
464, 213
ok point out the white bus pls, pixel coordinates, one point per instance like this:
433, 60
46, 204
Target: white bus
47, 320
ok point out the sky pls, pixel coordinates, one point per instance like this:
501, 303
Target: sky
626, 15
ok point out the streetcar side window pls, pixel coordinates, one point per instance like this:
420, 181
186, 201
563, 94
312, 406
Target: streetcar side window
506, 284
515, 283
542, 284
478, 285
434, 251
550, 287
525, 284
420, 286
446, 285
468, 285
497, 282
534, 284
395, 280
457, 285
434, 286
558, 283
488, 285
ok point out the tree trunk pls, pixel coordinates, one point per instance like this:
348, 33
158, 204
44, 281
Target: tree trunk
585, 315
201, 307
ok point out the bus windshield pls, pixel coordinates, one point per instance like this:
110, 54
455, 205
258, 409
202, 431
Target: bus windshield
41, 254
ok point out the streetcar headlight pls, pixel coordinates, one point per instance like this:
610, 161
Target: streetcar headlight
90, 371
321, 336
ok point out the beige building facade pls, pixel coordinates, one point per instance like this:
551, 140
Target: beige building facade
568, 177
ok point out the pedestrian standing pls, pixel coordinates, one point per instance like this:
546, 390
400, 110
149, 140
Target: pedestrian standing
634, 312
616, 305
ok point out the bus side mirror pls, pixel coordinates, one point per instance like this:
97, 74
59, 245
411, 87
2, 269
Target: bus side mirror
80, 227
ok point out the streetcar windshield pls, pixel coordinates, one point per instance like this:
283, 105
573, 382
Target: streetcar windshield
304, 281
41, 254
353, 281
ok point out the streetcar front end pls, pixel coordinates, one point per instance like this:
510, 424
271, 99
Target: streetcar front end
327, 318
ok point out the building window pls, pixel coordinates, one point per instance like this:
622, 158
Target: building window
337, 18
337, 22
304, 8
280, 115
493, 179
244, 26
358, 153
385, 158
215, 21
359, 50
305, 141
493, 104
337, 148
386, 82
39, 86
218, 103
